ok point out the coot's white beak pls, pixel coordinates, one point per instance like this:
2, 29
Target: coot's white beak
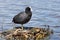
31, 8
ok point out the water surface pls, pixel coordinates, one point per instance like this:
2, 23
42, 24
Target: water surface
45, 12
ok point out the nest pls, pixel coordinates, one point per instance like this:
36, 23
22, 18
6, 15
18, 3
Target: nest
27, 33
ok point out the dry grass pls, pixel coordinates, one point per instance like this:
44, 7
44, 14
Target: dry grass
34, 33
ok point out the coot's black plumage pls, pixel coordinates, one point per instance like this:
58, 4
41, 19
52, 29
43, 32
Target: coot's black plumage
23, 17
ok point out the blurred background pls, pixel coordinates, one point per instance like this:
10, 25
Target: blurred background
45, 12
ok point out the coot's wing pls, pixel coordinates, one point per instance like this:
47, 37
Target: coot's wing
20, 17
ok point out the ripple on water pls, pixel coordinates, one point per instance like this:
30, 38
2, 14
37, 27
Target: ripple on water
44, 12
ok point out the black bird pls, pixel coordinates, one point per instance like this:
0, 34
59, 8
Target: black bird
23, 17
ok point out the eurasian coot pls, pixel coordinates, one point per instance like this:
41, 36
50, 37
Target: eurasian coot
23, 17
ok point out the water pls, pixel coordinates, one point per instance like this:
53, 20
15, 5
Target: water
45, 12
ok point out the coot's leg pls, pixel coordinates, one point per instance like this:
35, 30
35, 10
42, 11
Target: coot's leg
22, 26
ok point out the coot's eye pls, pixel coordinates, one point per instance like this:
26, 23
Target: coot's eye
27, 9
